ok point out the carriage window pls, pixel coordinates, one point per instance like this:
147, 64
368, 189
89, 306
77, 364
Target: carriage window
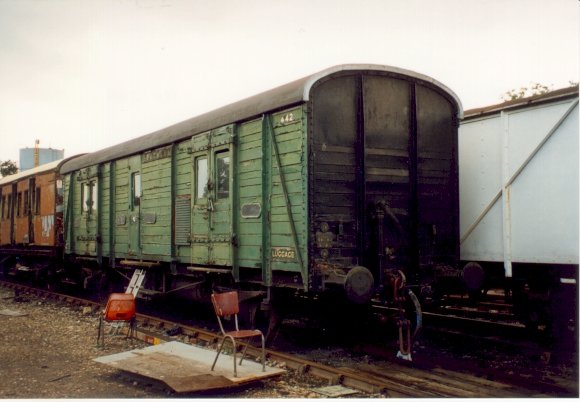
33, 199
136, 189
9, 212
26, 203
37, 203
201, 177
3, 206
85, 196
88, 196
19, 204
94, 195
223, 175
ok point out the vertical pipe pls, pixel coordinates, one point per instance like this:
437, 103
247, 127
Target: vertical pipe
99, 228
360, 154
266, 186
234, 199
413, 184
505, 192
173, 195
112, 212
68, 214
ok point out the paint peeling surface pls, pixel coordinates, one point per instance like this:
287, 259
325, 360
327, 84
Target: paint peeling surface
47, 225
187, 368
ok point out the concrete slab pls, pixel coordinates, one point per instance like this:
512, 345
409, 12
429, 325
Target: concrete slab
335, 391
187, 368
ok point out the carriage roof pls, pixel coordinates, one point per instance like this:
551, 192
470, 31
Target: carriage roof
284, 96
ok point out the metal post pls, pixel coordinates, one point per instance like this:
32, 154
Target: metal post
505, 192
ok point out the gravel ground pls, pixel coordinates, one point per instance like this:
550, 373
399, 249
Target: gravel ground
47, 353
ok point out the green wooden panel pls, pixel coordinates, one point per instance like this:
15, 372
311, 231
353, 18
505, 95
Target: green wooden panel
156, 203
249, 140
250, 190
128, 233
290, 140
250, 154
105, 214
82, 234
249, 173
183, 187
157, 230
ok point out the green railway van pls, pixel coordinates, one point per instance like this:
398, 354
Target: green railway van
329, 182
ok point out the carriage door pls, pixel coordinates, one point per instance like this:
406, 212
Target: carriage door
212, 210
134, 212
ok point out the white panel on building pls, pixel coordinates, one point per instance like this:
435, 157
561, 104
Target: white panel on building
518, 179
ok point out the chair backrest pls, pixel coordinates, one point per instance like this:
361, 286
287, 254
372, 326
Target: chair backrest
225, 304
120, 307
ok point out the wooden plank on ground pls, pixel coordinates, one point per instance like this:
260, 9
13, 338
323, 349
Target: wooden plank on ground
443, 384
396, 389
187, 368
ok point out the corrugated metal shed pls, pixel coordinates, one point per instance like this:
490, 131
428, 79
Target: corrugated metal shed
559, 94
518, 175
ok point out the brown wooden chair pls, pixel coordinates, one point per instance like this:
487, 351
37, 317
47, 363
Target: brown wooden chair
226, 304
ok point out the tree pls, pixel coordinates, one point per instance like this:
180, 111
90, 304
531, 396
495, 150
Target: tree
524, 92
7, 168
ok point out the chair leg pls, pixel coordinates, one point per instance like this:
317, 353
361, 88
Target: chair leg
244, 352
101, 333
235, 368
263, 354
218, 353
131, 332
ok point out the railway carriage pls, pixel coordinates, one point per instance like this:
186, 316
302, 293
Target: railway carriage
519, 201
31, 219
345, 179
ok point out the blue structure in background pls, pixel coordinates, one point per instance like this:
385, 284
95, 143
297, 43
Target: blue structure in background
45, 155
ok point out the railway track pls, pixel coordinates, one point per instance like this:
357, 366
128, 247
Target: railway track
385, 377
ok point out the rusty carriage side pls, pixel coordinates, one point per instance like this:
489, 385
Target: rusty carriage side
31, 222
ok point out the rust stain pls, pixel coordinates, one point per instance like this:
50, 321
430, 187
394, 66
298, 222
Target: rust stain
47, 225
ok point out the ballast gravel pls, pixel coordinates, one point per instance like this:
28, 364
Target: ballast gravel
47, 349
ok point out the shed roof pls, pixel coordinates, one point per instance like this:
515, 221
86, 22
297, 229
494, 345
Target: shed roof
286, 95
47, 167
552, 96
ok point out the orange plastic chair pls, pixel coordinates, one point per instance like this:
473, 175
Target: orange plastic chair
226, 304
120, 308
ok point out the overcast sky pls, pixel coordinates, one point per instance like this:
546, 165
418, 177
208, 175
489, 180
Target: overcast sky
86, 74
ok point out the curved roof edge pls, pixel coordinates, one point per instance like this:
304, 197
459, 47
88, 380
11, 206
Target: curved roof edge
311, 80
286, 95
47, 167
